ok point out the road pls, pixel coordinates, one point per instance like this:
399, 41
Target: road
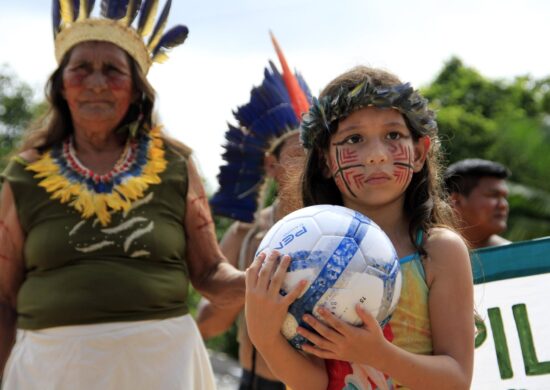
226, 370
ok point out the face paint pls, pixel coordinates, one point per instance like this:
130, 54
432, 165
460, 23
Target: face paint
97, 85
372, 157
402, 162
203, 218
344, 168
7, 247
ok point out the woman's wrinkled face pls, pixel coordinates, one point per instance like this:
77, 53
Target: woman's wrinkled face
97, 85
372, 157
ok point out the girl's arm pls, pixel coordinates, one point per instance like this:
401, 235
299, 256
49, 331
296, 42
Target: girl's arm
209, 271
11, 270
449, 277
265, 311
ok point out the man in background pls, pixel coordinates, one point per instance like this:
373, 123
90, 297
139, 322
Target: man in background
478, 193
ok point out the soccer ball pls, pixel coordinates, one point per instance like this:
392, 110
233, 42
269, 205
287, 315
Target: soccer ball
346, 259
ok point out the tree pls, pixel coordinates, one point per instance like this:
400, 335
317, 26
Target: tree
17, 111
505, 121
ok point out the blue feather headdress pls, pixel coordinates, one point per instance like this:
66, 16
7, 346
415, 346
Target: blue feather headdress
72, 25
273, 112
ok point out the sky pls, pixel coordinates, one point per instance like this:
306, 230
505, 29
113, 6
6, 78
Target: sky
229, 46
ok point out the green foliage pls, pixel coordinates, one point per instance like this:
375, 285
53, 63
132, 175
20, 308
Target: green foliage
524, 145
222, 224
476, 132
504, 121
17, 110
270, 192
15, 102
529, 212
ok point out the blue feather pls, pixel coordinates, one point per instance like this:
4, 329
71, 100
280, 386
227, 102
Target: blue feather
173, 37
76, 6
56, 12
268, 115
90, 7
234, 134
159, 26
269, 112
56, 16
146, 15
132, 11
114, 9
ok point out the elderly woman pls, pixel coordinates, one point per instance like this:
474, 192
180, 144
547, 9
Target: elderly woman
103, 224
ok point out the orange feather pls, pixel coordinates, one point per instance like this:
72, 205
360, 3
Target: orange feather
298, 98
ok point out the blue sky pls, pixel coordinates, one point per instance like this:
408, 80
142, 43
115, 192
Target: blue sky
228, 47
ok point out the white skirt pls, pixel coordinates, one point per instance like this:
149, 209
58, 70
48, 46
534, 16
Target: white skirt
150, 355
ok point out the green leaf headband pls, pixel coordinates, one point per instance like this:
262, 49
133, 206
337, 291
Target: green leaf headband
325, 112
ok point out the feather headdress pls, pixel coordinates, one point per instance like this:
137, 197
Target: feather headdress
273, 112
73, 24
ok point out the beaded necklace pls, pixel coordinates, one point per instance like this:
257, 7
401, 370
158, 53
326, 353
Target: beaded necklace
124, 161
64, 176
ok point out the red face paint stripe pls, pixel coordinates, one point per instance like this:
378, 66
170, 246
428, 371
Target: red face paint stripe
339, 170
347, 156
401, 174
401, 153
204, 218
359, 180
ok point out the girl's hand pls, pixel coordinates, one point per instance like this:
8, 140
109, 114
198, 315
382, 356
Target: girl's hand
265, 308
339, 340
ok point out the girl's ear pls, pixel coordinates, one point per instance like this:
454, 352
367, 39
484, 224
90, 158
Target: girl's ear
421, 149
327, 172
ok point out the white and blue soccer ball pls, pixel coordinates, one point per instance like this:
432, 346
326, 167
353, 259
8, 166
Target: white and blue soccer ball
346, 259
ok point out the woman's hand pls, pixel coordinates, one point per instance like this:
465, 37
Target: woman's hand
339, 340
265, 307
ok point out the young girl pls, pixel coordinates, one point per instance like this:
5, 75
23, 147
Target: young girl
372, 146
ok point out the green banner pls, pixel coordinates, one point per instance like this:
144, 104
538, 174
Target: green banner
522, 258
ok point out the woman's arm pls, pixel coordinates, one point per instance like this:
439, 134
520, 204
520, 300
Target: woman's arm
452, 325
211, 319
209, 271
11, 270
265, 311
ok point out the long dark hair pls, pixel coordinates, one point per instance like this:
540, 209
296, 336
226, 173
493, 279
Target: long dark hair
425, 203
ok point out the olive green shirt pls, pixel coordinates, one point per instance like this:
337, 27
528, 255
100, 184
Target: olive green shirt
80, 272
